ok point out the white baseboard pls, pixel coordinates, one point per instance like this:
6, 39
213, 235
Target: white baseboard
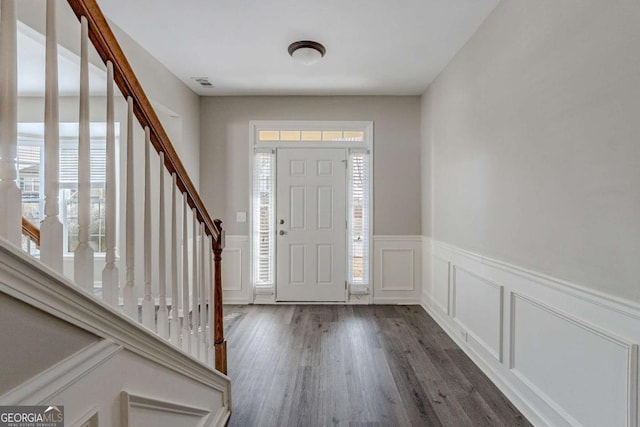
396, 301
534, 417
236, 301
565, 355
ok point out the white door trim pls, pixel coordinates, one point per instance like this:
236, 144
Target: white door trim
266, 294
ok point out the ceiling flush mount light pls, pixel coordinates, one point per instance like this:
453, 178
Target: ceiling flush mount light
307, 52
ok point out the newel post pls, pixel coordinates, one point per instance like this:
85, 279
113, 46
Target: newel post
218, 329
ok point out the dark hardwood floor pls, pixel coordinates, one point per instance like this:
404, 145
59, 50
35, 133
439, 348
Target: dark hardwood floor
335, 365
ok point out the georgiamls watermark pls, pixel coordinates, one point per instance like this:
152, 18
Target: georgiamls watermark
31, 416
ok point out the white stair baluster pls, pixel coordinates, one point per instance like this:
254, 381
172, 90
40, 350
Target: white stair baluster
174, 326
83, 259
186, 332
110, 272
203, 298
195, 317
10, 195
128, 295
51, 231
148, 305
163, 315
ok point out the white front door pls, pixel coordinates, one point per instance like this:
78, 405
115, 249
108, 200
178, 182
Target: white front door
311, 224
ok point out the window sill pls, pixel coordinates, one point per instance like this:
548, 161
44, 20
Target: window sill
70, 256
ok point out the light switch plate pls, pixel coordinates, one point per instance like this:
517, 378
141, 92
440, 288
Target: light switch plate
241, 217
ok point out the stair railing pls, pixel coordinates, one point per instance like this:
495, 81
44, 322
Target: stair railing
187, 310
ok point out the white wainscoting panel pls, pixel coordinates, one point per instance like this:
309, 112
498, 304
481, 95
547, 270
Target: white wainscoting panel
578, 350
126, 357
477, 309
91, 418
74, 384
236, 283
127, 371
397, 269
138, 410
563, 354
441, 283
427, 272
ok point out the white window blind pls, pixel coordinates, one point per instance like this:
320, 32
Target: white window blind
263, 218
30, 159
29, 179
359, 180
69, 164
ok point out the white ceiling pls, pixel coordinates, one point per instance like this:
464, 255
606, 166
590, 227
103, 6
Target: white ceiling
374, 47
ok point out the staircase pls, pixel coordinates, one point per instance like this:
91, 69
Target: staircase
111, 295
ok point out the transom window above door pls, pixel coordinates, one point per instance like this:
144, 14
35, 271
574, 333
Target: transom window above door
310, 135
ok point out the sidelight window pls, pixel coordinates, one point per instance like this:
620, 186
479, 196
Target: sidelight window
359, 217
263, 218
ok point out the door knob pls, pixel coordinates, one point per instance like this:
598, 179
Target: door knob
282, 232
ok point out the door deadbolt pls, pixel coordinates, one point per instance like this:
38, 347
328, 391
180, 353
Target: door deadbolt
281, 221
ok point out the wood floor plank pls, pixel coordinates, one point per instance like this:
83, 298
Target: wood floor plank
336, 365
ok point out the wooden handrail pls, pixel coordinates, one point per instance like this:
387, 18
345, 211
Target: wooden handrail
109, 49
30, 230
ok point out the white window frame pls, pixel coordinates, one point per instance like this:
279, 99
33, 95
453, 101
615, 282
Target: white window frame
38, 140
255, 126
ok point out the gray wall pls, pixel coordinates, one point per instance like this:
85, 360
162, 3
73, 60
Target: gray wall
225, 151
178, 107
33, 341
532, 132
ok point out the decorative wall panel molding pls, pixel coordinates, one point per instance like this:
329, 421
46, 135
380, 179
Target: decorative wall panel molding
137, 410
90, 419
478, 309
580, 351
236, 271
397, 269
41, 388
441, 283
565, 355
127, 355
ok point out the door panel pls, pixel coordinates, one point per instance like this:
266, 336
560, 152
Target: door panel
311, 216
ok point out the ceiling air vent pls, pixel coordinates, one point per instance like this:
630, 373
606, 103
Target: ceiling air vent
203, 81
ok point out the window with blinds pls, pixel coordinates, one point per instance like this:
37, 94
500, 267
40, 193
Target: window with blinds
31, 179
263, 218
69, 193
359, 176
29, 175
